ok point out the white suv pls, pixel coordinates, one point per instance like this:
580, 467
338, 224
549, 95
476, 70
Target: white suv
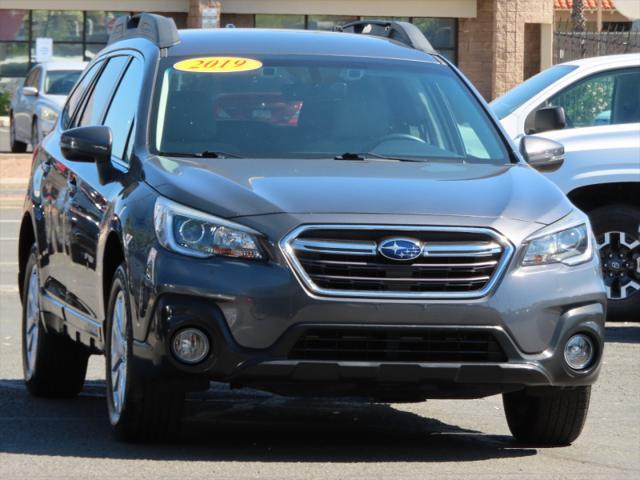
592, 107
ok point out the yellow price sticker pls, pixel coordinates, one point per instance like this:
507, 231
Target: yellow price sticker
218, 64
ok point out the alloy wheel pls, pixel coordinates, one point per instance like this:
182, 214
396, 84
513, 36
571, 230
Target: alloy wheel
620, 254
32, 324
118, 353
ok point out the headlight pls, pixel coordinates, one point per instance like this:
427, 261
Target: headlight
567, 241
48, 114
191, 232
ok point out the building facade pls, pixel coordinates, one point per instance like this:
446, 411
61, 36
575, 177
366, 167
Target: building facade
497, 43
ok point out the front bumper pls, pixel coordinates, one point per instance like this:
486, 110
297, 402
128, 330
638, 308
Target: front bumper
254, 312
274, 369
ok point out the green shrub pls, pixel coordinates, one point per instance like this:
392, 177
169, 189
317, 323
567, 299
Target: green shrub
5, 101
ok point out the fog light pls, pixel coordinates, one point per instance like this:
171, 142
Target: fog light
190, 345
579, 351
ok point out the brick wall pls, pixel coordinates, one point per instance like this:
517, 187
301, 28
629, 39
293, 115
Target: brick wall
531, 50
493, 50
194, 19
476, 47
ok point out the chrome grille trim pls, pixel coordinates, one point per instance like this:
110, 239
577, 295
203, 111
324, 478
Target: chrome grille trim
498, 243
336, 247
414, 279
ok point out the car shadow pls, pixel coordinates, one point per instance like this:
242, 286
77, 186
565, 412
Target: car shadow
245, 425
622, 333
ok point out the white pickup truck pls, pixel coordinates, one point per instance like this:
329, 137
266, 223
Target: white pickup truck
592, 107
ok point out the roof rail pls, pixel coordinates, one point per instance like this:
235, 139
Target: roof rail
158, 29
403, 32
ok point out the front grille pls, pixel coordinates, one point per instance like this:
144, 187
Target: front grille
345, 261
397, 345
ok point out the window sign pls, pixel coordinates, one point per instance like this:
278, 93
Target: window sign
210, 18
44, 49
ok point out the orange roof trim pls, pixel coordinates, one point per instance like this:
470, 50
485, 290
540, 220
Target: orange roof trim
588, 4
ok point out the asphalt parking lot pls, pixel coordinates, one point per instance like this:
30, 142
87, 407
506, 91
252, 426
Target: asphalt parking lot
248, 434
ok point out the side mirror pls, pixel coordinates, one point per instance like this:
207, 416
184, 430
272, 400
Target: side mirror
549, 118
87, 144
30, 91
542, 154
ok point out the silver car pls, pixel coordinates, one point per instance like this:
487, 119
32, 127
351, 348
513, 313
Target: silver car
592, 107
36, 105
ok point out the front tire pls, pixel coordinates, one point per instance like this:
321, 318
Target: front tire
617, 231
138, 410
550, 418
15, 145
53, 364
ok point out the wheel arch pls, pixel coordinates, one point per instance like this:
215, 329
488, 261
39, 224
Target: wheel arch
26, 239
590, 197
112, 257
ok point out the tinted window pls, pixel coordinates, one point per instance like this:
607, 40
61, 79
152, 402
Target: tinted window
607, 98
510, 101
101, 93
76, 96
318, 107
60, 82
123, 107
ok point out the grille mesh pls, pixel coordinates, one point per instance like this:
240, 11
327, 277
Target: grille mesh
397, 345
343, 260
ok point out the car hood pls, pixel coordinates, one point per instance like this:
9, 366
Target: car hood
241, 187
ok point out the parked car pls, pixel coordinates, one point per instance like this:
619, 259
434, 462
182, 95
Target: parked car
391, 242
36, 105
592, 107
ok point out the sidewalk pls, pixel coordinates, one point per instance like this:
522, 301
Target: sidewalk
14, 178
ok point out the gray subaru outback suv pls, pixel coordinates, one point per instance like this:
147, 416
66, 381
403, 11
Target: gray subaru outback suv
305, 213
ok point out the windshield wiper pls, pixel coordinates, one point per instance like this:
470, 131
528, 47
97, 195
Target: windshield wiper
369, 155
216, 154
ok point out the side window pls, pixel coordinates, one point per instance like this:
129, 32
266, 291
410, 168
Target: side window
606, 98
101, 93
76, 95
30, 80
626, 98
122, 110
36, 78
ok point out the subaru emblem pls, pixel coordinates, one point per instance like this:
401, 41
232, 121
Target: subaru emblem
400, 248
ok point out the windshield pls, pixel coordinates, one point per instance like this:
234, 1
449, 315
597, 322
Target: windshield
510, 101
321, 107
60, 82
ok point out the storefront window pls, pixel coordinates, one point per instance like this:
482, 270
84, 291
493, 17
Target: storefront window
63, 52
92, 49
61, 25
98, 26
388, 19
280, 21
14, 59
327, 22
14, 25
441, 33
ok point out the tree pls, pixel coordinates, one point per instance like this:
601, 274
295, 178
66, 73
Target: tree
577, 16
